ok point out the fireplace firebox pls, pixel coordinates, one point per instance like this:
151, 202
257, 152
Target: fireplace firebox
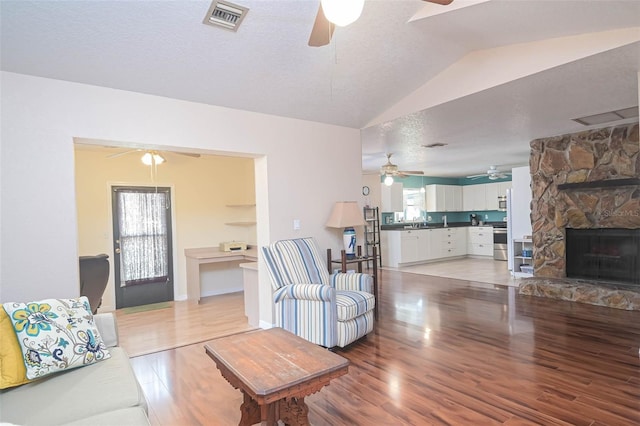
606, 255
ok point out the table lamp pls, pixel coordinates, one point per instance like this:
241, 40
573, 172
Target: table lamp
346, 214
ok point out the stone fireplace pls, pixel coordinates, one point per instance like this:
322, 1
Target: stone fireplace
582, 181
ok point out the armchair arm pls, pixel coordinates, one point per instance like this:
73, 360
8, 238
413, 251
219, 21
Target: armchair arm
319, 292
352, 282
107, 327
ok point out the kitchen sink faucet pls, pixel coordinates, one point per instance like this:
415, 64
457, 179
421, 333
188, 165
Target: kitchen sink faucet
444, 220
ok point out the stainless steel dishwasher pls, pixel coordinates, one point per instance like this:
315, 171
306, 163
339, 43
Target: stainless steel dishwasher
500, 243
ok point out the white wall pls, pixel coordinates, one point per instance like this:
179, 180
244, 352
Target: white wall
306, 167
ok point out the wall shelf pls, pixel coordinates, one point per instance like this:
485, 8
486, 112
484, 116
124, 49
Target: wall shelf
520, 244
250, 217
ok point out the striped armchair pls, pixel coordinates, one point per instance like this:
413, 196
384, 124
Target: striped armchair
328, 310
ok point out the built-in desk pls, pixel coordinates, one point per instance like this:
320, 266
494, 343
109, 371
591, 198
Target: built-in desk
198, 256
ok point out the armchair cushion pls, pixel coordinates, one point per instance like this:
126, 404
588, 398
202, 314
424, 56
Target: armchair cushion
351, 304
318, 292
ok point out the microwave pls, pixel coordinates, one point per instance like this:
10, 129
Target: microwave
502, 203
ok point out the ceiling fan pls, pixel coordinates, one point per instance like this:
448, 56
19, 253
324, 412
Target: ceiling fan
151, 156
323, 27
493, 173
390, 169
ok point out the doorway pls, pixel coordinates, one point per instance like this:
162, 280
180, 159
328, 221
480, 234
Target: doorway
142, 245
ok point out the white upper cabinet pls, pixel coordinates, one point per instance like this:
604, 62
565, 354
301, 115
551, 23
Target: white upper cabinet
443, 198
502, 188
391, 197
483, 196
474, 197
491, 194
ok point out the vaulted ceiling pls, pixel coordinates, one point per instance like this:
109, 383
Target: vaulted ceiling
483, 77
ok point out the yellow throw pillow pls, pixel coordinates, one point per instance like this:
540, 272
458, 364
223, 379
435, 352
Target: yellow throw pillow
12, 369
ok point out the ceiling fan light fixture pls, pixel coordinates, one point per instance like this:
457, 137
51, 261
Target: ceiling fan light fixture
388, 180
150, 158
342, 12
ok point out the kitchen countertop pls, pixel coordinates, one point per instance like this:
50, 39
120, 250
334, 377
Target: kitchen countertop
401, 226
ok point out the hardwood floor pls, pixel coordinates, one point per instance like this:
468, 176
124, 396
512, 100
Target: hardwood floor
444, 351
183, 323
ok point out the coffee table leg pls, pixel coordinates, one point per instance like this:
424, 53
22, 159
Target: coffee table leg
294, 411
250, 411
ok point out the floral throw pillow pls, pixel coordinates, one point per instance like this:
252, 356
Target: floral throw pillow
56, 335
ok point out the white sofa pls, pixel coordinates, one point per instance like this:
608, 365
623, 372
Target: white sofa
106, 393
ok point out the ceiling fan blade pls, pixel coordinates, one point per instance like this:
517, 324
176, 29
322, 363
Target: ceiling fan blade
188, 154
476, 176
120, 154
322, 30
411, 172
442, 2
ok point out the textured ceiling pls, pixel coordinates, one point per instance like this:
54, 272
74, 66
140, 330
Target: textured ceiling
162, 48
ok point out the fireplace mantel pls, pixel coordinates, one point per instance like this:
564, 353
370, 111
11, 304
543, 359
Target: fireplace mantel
610, 183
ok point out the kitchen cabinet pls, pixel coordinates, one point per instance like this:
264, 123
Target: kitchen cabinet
502, 188
473, 197
484, 196
491, 196
453, 242
443, 198
403, 247
480, 241
408, 247
391, 197
411, 246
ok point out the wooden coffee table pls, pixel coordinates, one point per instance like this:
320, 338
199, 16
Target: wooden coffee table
275, 370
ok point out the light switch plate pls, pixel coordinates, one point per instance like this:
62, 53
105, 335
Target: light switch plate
296, 224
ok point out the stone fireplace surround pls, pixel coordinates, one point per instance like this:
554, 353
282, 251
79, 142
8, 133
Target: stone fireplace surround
582, 180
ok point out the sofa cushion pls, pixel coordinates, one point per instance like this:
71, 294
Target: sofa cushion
74, 394
55, 335
124, 417
12, 371
351, 304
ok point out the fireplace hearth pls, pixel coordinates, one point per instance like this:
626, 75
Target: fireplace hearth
604, 255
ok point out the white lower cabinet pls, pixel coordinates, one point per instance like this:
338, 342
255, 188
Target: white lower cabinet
410, 246
454, 242
480, 241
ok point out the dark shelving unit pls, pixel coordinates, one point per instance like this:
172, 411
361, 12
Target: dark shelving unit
372, 234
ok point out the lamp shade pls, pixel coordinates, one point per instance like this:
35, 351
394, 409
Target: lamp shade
345, 214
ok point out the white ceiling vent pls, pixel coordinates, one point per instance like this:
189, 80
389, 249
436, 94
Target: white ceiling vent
226, 15
607, 117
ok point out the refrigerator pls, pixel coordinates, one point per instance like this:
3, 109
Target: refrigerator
518, 209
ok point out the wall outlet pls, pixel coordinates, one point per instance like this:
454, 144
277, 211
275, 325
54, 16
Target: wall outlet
428, 218
486, 217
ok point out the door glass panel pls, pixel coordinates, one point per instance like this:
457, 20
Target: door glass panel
143, 236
